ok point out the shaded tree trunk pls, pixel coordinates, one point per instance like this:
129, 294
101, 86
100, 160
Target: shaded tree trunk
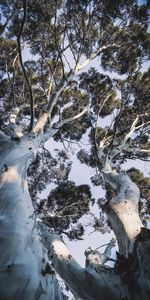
22, 256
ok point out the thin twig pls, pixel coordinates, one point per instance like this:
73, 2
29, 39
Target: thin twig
22, 64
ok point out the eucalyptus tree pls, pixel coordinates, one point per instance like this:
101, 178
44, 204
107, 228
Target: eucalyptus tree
47, 92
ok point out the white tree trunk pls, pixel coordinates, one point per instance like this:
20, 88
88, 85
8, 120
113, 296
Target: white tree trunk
122, 210
22, 256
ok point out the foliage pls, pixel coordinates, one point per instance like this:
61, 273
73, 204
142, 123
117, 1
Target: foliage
144, 184
56, 37
64, 207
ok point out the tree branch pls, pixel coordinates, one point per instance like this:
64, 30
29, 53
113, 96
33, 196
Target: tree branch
71, 119
122, 210
86, 62
22, 64
115, 151
51, 102
52, 131
85, 283
96, 260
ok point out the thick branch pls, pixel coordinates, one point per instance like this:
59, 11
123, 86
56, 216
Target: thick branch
122, 210
53, 98
85, 283
52, 131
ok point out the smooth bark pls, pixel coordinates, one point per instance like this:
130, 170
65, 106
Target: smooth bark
23, 257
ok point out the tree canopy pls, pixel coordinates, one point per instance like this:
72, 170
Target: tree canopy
73, 69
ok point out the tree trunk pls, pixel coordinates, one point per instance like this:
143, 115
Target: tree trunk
122, 210
23, 259
22, 249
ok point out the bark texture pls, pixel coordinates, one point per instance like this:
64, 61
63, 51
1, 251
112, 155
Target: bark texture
122, 210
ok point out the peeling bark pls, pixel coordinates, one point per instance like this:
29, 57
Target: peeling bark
122, 210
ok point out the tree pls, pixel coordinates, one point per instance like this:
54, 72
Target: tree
49, 95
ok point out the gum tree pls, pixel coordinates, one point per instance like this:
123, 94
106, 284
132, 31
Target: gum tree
48, 92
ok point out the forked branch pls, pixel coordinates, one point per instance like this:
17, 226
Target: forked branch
52, 131
85, 283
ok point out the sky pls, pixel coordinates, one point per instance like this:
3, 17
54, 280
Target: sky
141, 2
81, 174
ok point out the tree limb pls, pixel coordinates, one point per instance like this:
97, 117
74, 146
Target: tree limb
96, 260
85, 283
53, 97
114, 151
52, 131
71, 119
87, 61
